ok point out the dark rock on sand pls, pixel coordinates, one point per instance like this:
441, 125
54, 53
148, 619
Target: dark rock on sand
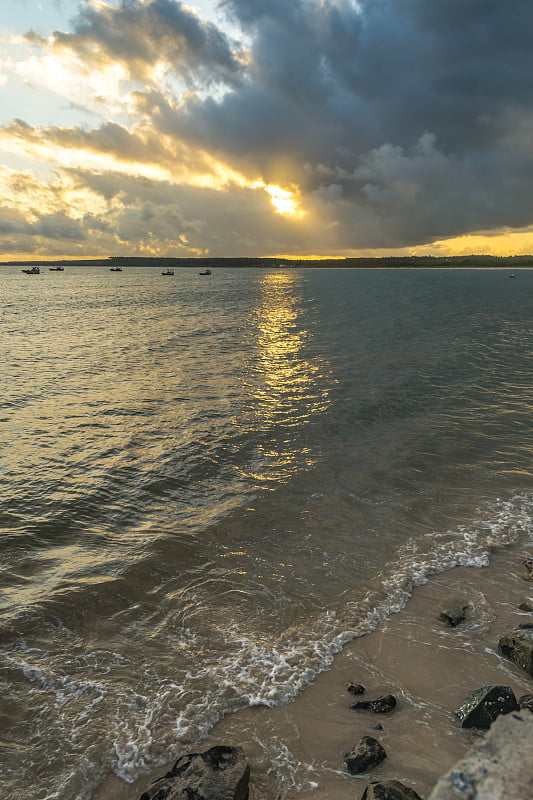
483, 705
366, 753
453, 616
499, 766
355, 688
220, 773
518, 648
526, 701
379, 706
525, 607
378, 727
389, 790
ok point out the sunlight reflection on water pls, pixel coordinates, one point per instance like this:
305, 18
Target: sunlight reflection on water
287, 383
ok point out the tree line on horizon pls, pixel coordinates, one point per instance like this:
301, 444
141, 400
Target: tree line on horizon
246, 261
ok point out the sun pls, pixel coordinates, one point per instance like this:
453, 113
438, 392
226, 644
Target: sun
283, 201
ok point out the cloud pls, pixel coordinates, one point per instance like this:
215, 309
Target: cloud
410, 106
94, 213
394, 122
137, 151
143, 36
184, 220
59, 226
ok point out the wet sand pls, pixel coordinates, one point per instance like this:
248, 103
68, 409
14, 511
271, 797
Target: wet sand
427, 665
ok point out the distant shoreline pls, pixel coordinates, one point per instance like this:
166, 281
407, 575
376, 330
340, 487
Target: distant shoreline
390, 262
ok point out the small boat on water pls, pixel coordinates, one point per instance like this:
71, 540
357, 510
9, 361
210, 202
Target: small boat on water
512, 275
56, 269
115, 269
205, 272
168, 272
32, 271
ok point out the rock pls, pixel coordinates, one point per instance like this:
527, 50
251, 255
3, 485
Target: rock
526, 701
355, 688
389, 790
220, 773
498, 767
453, 616
528, 564
483, 705
518, 648
525, 607
366, 753
379, 706
378, 727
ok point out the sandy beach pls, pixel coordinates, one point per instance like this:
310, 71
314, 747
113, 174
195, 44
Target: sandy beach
429, 666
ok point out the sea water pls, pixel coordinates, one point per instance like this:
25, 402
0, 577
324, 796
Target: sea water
210, 485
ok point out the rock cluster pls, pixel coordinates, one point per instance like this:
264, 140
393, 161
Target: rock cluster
480, 710
499, 767
368, 752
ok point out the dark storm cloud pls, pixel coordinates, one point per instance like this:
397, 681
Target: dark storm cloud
141, 35
407, 108
397, 68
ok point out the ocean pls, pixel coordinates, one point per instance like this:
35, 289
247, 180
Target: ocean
211, 485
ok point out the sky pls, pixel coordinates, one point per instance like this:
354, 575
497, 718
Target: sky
283, 128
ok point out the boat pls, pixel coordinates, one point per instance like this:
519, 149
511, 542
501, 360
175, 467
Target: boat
32, 271
115, 269
56, 269
168, 272
512, 275
205, 272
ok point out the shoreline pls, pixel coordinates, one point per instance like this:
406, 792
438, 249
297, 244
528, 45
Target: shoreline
430, 668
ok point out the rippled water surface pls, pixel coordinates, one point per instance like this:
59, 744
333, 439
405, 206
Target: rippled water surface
210, 484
